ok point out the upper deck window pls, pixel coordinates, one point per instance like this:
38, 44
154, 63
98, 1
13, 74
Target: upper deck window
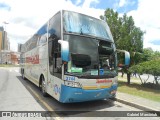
85, 25
42, 39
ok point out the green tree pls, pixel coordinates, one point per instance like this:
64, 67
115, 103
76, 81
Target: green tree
114, 22
125, 34
150, 67
147, 54
156, 55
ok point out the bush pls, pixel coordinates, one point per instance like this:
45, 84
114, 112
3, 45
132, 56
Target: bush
149, 67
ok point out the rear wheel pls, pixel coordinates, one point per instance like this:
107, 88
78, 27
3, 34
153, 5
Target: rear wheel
43, 87
23, 76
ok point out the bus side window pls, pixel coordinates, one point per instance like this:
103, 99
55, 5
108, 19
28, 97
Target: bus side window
50, 53
42, 40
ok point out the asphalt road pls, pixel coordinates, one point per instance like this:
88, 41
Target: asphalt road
22, 95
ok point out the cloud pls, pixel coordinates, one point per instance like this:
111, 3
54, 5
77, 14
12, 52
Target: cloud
78, 2
122, 3
87, 3
25, 18
116, 5
125, 3
147, 18
4, 6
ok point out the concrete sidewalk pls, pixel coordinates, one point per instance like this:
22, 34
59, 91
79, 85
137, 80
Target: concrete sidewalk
138, 102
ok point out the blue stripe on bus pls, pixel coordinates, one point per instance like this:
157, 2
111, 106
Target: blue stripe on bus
70, 94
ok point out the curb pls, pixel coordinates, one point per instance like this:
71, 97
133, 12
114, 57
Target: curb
141, 107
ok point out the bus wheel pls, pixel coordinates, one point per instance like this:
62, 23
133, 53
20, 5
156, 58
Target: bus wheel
23, 77
43, 87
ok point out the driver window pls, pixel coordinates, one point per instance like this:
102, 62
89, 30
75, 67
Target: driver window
55, 61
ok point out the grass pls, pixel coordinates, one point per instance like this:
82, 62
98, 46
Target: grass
138, 90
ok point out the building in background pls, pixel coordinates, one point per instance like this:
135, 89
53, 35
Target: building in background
1, 38
15, 58
9, 57
20, 47
4, 40
6, 56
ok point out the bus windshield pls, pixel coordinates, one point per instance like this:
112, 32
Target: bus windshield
85, 25
90, 57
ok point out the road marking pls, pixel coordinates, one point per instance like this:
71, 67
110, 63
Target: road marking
44, 103
17, 71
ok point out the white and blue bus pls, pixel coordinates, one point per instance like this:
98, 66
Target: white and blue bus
73, 58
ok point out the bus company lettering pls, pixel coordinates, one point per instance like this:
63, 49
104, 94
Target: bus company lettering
33, 59
103, 81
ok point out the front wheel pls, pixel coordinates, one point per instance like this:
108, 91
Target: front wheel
43, 87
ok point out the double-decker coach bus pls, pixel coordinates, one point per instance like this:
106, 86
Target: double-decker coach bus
73, 58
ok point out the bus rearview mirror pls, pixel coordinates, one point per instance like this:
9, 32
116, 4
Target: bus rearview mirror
127, 56
64, 50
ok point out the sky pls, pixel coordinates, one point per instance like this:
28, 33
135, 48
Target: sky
25, 17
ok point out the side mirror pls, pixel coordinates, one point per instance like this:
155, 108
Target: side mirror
127, 56
64, 50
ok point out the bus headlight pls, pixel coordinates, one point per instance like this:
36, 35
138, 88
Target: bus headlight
72, 84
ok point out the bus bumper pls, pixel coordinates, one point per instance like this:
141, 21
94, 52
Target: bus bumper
70, 94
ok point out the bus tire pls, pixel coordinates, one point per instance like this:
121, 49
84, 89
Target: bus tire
23, 76
43, 86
